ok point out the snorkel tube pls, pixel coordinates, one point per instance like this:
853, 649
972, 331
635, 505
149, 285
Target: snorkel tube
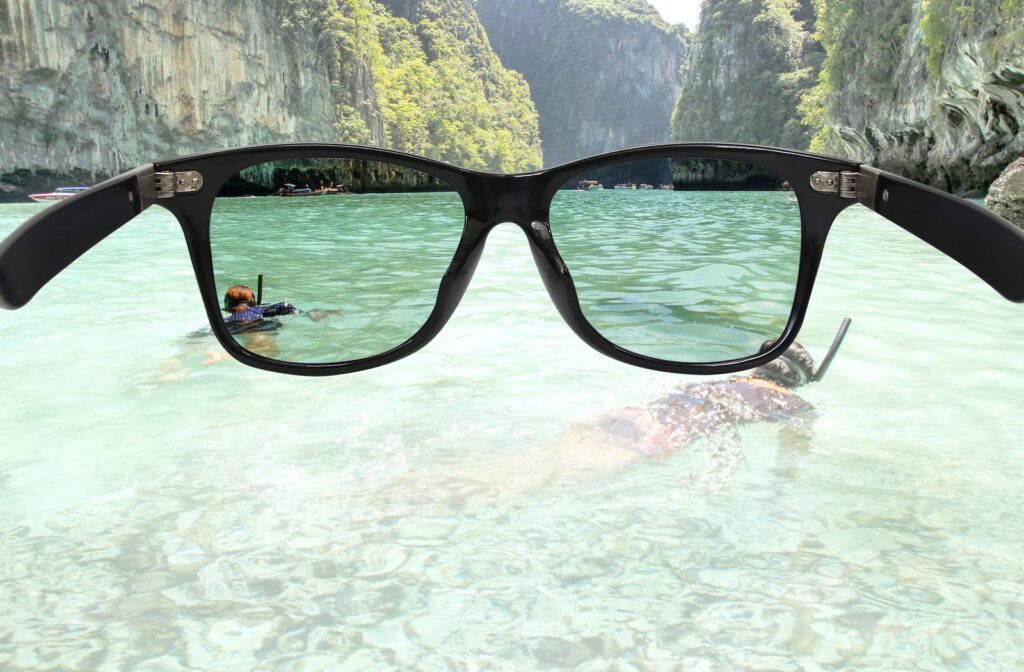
832, 351
259, 290
795, 367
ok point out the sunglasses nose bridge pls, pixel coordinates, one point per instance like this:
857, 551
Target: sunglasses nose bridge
494, 199
553, 271
520, 200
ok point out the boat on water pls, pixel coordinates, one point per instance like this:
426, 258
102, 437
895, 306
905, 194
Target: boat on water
58, 194
292, 191
646, 186
338, 190
667, 187
626, 185
589, 185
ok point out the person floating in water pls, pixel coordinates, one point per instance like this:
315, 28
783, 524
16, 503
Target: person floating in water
245, 313
667, 425
253, 324
699, 410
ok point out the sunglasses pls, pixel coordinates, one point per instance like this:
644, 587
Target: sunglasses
684, 258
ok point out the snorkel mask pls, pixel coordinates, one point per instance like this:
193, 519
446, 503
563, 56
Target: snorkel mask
795, 367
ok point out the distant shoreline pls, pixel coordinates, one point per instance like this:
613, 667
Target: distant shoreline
16, 185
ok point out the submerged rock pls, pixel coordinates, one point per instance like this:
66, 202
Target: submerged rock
1006, 196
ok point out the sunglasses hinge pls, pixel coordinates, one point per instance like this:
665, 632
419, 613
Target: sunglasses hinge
859, 185
167, 184
843, 185
170, 184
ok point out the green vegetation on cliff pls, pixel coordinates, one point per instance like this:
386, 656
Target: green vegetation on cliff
604, 73
629, 10
420, 76
751, 62
943, 19
870, 56
933, 89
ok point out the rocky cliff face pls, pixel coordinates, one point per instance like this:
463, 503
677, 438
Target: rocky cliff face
935, 91
604, 75
92, 87
87, 90
749, 65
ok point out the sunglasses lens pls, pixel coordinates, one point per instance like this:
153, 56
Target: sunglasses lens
683, 260
349, 253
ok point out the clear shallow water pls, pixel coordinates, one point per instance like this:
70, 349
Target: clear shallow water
690, 276
683, 276
375, 260
157, 513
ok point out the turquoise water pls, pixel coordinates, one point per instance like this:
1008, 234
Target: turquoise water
373, 260
162, 510
682, 276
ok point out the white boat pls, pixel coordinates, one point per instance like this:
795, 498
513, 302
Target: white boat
58, 194
646, 186
626, 185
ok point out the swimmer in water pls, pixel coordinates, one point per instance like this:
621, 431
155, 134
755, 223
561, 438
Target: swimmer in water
669, 424
252, 323
247, 320
245, 314
248, 315
698, 410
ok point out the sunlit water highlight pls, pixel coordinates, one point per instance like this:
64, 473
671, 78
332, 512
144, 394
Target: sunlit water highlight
160, 514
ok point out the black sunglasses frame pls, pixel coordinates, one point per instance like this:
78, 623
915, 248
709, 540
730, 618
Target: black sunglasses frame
985, 243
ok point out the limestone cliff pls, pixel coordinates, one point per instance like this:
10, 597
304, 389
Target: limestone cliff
933, 90
87, 90
604, 75
92, 87
750, 63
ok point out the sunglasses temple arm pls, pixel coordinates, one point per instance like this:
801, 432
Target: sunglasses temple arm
982, 241
50, 241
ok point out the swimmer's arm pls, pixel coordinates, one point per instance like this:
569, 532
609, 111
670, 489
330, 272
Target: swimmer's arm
48, 243
797, 433
283, 308
982, 241
796, 424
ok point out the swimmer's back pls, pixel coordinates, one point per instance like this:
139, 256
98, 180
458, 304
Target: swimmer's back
698, 410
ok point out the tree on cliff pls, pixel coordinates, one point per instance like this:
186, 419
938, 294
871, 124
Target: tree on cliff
749, 66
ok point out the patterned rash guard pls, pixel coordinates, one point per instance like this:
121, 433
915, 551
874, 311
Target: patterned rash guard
255, 313
698, 410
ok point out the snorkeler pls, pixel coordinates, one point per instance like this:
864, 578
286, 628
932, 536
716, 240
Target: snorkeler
700, 409
250, 321
246, 314
247, 320
665, 426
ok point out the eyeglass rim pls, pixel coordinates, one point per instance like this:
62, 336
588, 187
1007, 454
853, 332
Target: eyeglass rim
534, 191
985, 243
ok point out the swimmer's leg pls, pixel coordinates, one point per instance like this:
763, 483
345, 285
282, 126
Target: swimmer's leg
214, 356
